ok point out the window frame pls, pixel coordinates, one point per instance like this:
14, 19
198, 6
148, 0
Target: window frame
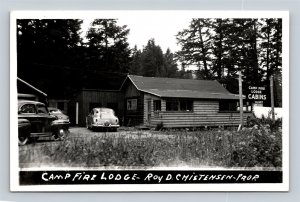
155, 106
180, 104
227, 109
132, 100
34, 107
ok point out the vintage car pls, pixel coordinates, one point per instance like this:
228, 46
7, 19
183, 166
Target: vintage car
34, 121
58, 114
102, 118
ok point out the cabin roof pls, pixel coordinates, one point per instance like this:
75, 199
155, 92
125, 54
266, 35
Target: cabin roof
181, 88
32, 87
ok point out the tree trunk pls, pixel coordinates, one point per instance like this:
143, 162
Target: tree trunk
203, 49
254, 55
268, 49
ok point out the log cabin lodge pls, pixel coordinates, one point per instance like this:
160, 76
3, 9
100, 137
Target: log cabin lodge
170, 102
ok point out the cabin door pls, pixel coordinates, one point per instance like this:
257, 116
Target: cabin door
149, 111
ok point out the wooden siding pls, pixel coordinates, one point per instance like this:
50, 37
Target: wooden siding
149, 97
131, 91
190, 119
133, 117
204, 107
205, 113
72, 112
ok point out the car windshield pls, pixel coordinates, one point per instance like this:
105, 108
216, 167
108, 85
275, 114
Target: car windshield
106, 111
27, 109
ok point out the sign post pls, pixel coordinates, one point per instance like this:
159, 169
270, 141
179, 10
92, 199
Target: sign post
272, 99
241, 101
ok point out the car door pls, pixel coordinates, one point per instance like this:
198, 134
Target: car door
44, 118
28, 111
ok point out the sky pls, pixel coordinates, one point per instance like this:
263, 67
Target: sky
162, 29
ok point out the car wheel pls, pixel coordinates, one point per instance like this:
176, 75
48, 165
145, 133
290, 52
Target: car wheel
23, 139
60, 135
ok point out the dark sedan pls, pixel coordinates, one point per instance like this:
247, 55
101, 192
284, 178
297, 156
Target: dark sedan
58, 114
34, 121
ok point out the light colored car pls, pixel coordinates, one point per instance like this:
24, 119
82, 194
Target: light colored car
102, 118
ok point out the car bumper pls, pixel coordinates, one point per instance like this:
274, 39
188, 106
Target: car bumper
60, 122
99, 125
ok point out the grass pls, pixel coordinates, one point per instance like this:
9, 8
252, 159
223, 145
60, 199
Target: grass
247, 148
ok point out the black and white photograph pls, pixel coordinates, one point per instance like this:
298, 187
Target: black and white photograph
149, 101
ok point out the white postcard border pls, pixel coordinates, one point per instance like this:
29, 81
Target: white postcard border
14, 166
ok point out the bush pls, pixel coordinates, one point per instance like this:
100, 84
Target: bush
159, 126
258, 148
265, 121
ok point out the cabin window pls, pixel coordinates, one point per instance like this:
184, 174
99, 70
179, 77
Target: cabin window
228, 105
132, 104
156, 105
186, 106
183, 105
172, 106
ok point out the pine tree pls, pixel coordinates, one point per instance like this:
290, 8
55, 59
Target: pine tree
170, 65
196, 46
220, 51
152, 60
136, 62
107, 46
270, 56
47, 50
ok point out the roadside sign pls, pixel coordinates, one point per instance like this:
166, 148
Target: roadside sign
256, 93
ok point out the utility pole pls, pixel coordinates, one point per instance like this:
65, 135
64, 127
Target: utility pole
272, 99
241, 101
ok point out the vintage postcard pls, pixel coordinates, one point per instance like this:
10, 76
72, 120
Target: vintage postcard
149, 101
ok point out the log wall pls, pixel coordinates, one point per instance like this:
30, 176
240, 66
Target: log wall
205, 113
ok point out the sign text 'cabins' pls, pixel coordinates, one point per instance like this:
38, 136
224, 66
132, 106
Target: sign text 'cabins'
256, 93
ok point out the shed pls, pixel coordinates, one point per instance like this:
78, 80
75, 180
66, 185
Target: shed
27, 91
87, 99
176, 102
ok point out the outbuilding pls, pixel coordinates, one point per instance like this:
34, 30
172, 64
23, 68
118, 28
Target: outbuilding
174, 103
27, 91
87, 99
